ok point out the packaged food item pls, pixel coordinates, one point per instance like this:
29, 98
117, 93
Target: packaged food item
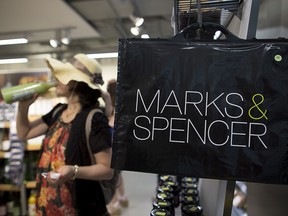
163, 204
189, 200
176, 191
192, 210
189, 180
159, 212
189, 192
186, 185
164, 178
32, 204
165, 188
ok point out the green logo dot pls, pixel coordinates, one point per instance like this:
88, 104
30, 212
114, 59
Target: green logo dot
278, 58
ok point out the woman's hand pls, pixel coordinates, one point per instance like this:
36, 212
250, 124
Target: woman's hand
66, 173
28, 102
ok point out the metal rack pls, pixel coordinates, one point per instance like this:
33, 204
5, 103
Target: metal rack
191, 11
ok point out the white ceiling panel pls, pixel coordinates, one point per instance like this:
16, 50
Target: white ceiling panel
37, 18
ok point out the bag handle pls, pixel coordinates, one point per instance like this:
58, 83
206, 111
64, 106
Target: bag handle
88, 130
206, 27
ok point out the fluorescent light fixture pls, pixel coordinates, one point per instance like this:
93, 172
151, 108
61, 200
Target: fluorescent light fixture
13, 41
103, 55
13, 61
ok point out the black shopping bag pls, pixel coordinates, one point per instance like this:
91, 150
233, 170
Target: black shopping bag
210, 109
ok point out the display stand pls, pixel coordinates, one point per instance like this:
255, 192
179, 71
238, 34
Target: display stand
217, 195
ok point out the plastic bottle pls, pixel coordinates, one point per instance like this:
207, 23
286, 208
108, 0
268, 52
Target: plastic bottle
32, 204
25, 91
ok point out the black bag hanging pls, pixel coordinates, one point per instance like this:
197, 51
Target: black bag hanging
203, 108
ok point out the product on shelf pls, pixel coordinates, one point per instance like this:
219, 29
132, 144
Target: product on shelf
176, 191
189, 180
189, 192
4, 137
192, 210
188, 185
164, 178
173, 191
166, 196
189, 200
159, 212
163, 204
7, 111
165, 188
32, 204
9, 203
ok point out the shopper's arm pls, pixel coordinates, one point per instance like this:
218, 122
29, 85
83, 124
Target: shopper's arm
108, 103
28, 129
100, 171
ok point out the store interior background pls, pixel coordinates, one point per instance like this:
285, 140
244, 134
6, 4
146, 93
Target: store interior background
94, 26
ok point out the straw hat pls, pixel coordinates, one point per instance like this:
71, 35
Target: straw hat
80, 68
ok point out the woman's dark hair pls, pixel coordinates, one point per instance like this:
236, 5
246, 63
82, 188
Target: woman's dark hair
88, 97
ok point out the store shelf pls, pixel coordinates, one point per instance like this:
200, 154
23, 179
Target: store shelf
30, 184
9, 187
4, 124
4, 154
33, 147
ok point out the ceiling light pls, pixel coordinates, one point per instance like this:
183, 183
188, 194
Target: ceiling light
145, 36
13, 41
103, 55
138, 21
54, 43
61, 36
13, 61
65, 40
135, 30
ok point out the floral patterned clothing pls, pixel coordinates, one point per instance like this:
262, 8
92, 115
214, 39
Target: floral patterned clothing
66, 144
54, 200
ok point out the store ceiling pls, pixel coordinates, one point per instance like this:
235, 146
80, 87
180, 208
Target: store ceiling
93, 25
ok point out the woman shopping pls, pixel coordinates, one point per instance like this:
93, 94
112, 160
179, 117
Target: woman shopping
75, 188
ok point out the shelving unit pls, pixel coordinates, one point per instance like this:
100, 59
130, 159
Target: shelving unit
26, 185
8, 127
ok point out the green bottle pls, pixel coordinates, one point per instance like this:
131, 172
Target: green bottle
25, 91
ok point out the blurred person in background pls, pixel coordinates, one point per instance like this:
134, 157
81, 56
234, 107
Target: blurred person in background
120, 199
